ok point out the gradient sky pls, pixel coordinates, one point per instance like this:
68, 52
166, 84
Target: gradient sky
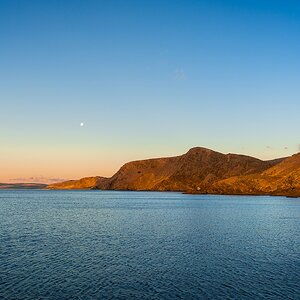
147, 79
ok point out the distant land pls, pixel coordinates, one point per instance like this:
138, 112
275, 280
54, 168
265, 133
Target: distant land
36, 179
201, 171
22, 186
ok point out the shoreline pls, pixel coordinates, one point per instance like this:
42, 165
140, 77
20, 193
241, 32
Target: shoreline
156, 191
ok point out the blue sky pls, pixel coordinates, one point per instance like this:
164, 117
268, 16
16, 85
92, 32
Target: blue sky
147, 79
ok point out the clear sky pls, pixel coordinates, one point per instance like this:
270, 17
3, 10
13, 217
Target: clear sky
147, 79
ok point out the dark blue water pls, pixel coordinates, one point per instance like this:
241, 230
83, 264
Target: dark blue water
136, 245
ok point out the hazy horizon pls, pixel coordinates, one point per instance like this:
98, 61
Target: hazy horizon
87, 86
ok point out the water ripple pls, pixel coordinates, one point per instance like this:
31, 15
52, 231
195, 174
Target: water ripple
125, 245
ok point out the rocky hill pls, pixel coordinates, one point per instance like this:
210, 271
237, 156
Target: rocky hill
195, 170
201, 170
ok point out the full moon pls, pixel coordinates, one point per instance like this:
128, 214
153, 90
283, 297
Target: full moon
81, 124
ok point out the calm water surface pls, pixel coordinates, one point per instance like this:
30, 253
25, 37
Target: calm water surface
136, 245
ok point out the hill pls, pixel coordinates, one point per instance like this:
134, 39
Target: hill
85, 183
281, 179
195, 170
201, 170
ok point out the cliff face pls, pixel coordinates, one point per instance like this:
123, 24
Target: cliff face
201, 170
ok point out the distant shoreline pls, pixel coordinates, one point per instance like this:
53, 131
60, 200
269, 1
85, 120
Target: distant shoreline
23, 186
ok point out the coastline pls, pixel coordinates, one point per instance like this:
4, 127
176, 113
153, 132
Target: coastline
287, 195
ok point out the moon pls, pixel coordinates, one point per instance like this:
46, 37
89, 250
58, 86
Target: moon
81, 124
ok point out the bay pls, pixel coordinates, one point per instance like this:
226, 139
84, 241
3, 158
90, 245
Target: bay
147, 245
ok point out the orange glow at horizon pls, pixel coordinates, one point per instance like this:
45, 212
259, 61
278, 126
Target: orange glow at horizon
69, 164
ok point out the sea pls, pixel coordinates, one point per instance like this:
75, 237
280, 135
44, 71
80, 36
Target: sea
147, 245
